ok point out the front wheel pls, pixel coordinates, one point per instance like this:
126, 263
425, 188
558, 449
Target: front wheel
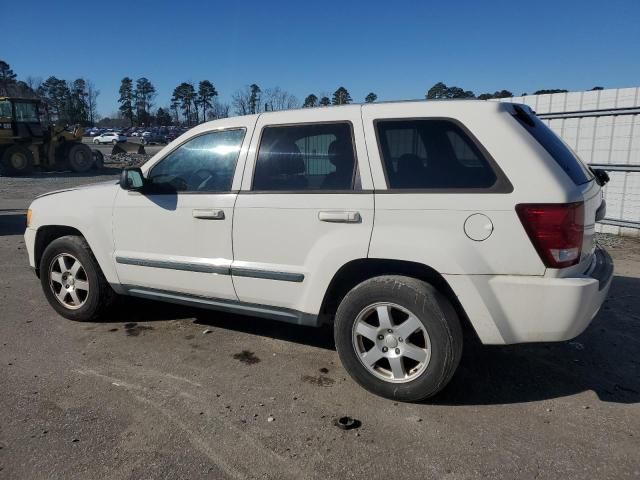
17, 160
72, 280
398, 337
80, 158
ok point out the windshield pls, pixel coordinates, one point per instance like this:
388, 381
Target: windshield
26, 112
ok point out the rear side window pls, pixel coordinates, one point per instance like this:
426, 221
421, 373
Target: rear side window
559, 151
306, 157
431, 154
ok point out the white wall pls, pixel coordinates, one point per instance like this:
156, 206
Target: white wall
604, 139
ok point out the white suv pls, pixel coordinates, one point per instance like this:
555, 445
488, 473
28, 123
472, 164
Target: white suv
109, 137
399, 223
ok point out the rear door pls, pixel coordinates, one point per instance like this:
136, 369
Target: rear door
305, 208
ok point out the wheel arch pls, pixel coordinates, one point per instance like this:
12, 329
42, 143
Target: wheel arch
357, 271
47, 234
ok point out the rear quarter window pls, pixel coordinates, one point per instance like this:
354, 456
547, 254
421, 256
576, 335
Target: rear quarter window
559, 151
426, 154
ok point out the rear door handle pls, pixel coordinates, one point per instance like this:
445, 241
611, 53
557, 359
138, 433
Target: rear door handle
339, 216
207, 214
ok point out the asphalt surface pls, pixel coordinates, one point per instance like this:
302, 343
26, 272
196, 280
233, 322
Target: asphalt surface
150, 394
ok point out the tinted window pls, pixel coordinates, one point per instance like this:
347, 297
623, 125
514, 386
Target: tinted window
305, 157
423, 154
203, 164
561, 153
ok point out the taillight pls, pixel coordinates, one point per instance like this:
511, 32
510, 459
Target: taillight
556, 231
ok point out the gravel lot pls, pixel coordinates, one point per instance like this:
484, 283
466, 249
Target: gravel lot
150, 394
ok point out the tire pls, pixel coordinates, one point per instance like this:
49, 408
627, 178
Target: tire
98, 160
96, 142
17, 160
114, 142
93, 300
80, 158
437, 336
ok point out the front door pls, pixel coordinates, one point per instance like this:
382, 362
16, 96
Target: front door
176, 235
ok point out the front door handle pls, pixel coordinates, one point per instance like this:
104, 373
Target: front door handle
208, 214
339, 216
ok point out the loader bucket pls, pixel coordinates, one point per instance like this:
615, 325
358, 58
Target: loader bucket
128, 147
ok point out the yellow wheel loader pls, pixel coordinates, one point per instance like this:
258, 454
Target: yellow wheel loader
25, 142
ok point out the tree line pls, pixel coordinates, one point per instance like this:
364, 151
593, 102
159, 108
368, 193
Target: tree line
67, 101
74, 102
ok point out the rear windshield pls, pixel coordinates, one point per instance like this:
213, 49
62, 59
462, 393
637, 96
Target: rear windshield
559, 151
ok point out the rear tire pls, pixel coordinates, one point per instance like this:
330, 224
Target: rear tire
80, 158
72, 280
17, 160
398, 337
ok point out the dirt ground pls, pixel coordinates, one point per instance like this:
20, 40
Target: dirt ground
159, 391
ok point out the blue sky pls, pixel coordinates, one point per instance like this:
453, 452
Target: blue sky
397, 49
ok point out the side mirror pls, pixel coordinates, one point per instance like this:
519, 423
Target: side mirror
132, 179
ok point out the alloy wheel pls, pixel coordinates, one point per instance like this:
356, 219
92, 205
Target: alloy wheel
391, 342
68, 281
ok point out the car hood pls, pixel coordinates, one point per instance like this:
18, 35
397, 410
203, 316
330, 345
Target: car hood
106, 184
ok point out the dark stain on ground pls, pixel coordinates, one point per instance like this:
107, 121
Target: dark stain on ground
132, 329
247, 357
324, 370
189, 337
113, 329
319, 381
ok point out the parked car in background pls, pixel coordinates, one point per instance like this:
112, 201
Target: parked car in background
152, 137
109, 137
172, 135
399, 224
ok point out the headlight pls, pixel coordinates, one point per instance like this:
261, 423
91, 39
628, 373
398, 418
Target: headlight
28, 217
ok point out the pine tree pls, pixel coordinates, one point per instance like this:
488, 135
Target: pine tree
126, 99
341, 96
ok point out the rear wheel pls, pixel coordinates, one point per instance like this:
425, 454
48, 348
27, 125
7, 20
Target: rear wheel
17, 160
72, 280
80, 158
398, 337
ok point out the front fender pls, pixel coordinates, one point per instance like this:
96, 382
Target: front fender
87, 210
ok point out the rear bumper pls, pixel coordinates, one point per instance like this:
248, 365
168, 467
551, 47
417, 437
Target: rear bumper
507, 309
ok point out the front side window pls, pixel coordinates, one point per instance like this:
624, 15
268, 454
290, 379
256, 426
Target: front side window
306, 157
205, 163
431, 154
